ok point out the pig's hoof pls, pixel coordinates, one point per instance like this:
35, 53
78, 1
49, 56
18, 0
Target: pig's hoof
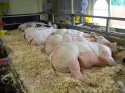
123, 60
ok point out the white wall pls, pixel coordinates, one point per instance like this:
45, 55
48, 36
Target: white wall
25, 6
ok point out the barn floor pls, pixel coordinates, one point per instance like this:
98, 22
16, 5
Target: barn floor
37, 75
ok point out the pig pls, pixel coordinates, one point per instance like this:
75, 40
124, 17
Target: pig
104, 41
66, 31
64, 36
90, 37
38, 36
22, 27
32, 29
74, 32
71, 57
55, 40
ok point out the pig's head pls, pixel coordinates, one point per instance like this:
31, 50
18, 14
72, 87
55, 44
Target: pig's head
113, 47
102, 40
52, 42
49, 24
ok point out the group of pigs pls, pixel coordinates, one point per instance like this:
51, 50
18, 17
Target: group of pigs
70, 50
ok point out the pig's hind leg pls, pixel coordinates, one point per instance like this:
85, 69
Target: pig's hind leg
106, 57
75, 71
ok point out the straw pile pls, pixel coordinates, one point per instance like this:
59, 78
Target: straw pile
32, 65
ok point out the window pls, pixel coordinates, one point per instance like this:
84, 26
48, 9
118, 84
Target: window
100, 9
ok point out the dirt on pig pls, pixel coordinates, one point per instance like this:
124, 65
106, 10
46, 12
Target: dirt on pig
34, 69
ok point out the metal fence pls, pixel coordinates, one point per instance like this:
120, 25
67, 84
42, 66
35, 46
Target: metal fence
107, 31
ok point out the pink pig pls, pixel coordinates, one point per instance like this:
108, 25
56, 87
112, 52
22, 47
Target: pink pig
55, 40
104, 41
37, 36
65, 36
71, 57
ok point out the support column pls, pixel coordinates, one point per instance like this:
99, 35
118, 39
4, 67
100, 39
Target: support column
109, 8
73, 19
72, 6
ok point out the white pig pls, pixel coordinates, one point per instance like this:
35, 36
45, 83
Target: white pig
104, 41
55, 40
70, 57
38, 36
30, 24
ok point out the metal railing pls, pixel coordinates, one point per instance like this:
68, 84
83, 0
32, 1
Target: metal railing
107, 32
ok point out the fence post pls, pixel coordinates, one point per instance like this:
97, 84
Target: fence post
107, 28
82, 19
73, 20
53, 18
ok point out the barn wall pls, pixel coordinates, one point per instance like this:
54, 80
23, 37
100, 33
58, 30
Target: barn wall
26, 6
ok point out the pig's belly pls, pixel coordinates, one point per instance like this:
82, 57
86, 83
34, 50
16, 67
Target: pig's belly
88, 59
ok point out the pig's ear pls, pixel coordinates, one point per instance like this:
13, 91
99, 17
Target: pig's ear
113, 44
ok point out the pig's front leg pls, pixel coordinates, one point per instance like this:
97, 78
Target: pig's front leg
75, 71
33, 42
28, 38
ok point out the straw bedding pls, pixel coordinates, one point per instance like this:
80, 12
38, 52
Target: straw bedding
32, 65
